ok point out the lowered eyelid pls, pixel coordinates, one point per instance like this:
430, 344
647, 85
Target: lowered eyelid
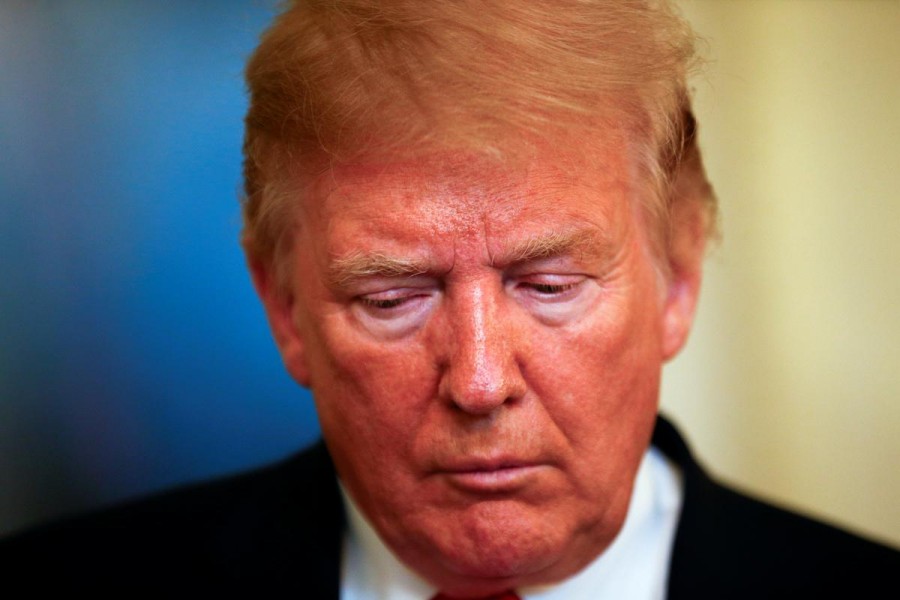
387, 286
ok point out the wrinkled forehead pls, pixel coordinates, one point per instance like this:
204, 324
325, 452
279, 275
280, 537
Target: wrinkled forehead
518, 173
448, 204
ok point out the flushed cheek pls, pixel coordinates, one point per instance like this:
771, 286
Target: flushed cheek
371, 391
370, 422
599, 386
584, 362
383, 390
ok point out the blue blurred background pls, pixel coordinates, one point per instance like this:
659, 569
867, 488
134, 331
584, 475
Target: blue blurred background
133, 352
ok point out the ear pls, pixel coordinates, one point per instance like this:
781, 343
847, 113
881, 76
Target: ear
691, 221
278, 302
685, 256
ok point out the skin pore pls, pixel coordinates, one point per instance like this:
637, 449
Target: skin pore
484, 347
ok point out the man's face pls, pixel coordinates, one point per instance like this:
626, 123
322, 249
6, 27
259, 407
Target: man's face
484, 348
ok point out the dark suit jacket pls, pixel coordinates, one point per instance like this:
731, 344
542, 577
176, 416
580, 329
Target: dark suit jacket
278, 532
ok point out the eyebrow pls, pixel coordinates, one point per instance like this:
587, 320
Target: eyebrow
584, 243
358, 265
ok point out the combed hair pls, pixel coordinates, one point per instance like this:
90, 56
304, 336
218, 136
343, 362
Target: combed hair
335, 80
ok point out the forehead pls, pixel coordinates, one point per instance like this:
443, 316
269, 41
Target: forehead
457, 192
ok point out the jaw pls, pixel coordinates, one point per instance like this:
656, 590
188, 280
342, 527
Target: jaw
493, 545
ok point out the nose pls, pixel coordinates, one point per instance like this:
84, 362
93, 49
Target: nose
481, 370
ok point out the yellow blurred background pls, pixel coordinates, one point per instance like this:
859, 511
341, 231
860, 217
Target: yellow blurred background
790, 385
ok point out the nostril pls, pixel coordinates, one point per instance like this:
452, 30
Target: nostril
482, 384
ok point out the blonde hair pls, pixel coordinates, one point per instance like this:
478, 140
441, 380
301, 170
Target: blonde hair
336, 79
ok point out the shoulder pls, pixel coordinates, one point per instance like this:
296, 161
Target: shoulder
259, 526
730, 544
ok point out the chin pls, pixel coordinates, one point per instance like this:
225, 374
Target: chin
495, 546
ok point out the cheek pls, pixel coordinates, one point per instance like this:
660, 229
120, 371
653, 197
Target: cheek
599, 382
599, 362
364, 389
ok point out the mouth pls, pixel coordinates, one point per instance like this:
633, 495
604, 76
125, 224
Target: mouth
492, 477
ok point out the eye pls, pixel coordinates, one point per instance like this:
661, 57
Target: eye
382, 304
555, 298
551, 289
395, 312
392, 303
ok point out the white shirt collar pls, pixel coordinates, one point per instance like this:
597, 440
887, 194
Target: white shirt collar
635, 566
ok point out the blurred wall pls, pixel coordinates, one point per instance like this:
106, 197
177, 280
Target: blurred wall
790, 385
133, 355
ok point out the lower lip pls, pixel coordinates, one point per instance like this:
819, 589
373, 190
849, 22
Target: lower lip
494, 481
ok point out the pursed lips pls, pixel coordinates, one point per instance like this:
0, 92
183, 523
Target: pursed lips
501, 475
